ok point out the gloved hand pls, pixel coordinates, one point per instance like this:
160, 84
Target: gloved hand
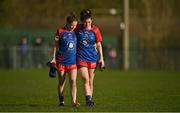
53, 71
101, 67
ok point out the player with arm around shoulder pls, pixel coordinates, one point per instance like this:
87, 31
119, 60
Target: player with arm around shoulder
64, 56
88, 35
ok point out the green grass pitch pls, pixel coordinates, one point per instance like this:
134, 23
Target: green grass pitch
114, 91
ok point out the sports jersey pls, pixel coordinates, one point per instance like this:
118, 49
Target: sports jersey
66, 53
86, 39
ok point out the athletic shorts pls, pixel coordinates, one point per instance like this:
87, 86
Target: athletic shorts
90, 65
66, 68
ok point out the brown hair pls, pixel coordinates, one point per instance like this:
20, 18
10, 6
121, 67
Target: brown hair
85, 13
71, 18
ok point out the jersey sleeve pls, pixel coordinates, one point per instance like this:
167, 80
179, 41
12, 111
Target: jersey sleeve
98, 34
58, 33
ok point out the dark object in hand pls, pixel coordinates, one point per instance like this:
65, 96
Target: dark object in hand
53, 71
101, 67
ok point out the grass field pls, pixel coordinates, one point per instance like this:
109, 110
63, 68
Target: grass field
115, 91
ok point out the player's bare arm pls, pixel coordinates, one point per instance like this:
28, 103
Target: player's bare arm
54, 48
101, 58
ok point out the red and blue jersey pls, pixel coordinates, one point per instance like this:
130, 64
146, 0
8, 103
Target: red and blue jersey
86, 39
66, 53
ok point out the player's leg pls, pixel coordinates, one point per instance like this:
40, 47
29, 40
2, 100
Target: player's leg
87, 91
73, 87
83, 71
61, 85
91, 79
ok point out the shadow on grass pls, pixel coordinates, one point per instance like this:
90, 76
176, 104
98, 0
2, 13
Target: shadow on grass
42, 107
29, 105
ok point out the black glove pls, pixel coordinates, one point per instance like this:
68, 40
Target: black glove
53, 71
101, 67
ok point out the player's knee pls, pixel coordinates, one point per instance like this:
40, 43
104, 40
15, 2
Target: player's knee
86, 79
73, 82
